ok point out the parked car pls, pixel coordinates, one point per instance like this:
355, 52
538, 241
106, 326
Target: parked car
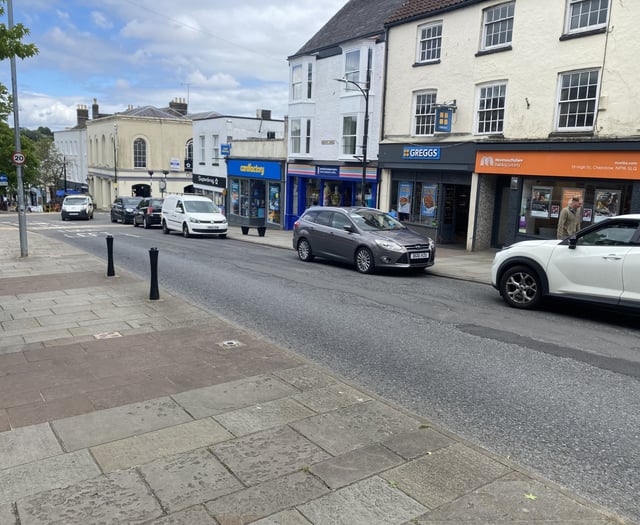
192, 215
365, 237
123, 209
600, 263
77, 207
148, 212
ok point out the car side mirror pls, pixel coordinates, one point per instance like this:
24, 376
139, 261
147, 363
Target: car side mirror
573, 241
348, 228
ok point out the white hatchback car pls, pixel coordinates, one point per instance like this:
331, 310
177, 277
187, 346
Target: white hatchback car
600, 263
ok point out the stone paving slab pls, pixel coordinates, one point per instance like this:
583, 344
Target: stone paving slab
99, 427
445, 475
216, 399
355, 465
144, 448
286, 517
331, 397
58, 471
120, 497
355, 426
513, 498
306, 377
266, 455
369, 502
262, 416
267, 498
418, 443
197, 515
183, 480
7, 516
27, 444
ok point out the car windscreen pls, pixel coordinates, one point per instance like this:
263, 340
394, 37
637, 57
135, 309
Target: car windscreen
201, 207
375, 221
131, 201
75, 200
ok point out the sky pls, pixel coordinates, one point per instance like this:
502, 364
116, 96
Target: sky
223, 56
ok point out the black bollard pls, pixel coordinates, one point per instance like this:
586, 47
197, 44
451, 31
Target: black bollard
154, 293
110, 271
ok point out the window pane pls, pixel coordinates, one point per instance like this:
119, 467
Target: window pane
585, 14
498, 28
430, 42
491, 108
425, 116
352, 68
349, 129
577, 103
139, 154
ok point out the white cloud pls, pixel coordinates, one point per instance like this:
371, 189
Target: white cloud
100, 20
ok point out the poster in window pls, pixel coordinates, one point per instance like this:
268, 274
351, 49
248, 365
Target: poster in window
404, 197
555, 211
429, 200
587, 214
607, 204
540, 201
234, 198
274, 203
570, 193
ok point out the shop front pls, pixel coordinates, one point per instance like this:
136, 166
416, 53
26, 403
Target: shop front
534, 186
254, 196
309, 185
429, 186
210, 186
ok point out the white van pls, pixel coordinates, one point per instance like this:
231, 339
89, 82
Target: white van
192, 215
77, 207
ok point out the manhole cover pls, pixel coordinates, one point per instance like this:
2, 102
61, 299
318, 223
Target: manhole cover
232, 343
107, 335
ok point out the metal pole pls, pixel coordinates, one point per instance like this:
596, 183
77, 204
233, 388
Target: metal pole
115, 158
64, 169
365, 139
22, 218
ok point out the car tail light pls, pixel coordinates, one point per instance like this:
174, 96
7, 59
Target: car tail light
296, 224
150, 209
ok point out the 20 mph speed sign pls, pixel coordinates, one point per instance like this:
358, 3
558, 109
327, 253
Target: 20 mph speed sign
18, 158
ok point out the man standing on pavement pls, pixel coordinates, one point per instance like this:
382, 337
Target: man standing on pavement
570, 218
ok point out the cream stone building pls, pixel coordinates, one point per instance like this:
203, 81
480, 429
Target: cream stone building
499, 111
141, 151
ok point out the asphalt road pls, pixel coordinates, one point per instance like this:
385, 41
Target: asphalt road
555, 390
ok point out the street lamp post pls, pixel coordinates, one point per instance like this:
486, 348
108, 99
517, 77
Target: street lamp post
365, 136
150, 172
115, 158
163, 186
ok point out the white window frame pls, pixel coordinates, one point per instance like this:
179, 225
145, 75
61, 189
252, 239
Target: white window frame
296, 82
295, 135
139, 153
350, 137
498, 20
309, 80
429, 42
494, 93
576, 104
575, 15
422, 119
352, 69
215, 149
203, 152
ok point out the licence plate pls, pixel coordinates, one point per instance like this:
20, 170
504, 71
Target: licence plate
213, 226
420, 255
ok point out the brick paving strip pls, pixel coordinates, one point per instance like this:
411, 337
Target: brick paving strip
117, 409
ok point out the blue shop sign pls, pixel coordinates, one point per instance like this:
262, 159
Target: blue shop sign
327, 171
421, 153
254, 169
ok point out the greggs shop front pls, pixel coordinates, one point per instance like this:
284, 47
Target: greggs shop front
531, 187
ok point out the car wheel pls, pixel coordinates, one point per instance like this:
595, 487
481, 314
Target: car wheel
364, 260
113, 219
185, 230
146, 224
304, 250
520, 287
165, 230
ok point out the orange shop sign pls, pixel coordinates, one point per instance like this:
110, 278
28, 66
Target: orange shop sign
582, 164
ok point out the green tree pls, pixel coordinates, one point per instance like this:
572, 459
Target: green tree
51, 166
30, 175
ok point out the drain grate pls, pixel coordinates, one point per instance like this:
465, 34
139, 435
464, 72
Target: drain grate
107, 335
231, 343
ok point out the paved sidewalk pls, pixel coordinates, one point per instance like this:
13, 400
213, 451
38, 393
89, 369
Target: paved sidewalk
118, 409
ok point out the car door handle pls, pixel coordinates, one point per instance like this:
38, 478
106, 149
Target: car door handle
612, 257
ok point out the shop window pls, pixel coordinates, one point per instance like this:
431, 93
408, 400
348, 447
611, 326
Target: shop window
416, 202
274, 204
543, 200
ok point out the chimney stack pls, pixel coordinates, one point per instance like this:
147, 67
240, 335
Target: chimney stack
82, 115
95, 110
179, 105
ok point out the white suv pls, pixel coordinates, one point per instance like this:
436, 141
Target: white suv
192, 215
600, 263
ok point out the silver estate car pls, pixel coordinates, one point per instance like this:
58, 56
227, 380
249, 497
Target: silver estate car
365, 237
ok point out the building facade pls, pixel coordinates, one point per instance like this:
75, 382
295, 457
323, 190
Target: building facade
141, 151
335, 102
497, 113
72, 145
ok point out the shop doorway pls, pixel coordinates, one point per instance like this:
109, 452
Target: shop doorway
455, 217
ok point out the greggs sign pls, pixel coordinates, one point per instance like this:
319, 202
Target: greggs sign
581, 164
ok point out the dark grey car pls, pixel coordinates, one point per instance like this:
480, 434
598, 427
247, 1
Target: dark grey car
365, 237
124, 208
148, 212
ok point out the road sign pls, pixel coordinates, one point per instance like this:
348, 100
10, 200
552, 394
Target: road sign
4, 181
18, 157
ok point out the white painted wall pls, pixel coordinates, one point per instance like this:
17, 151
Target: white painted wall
72, 144
531, 69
